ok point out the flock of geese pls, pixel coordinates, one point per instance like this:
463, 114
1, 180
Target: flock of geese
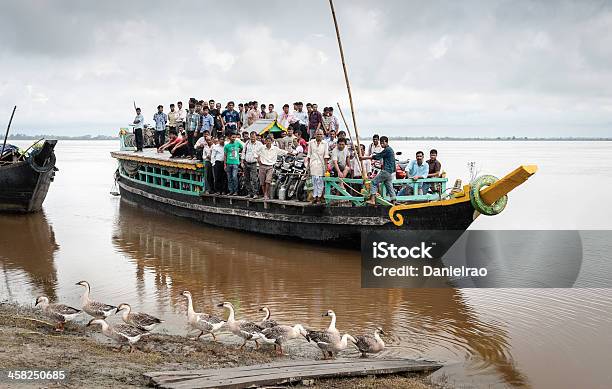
268, 331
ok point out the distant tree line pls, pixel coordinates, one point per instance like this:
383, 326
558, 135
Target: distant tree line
500, 138
61, 137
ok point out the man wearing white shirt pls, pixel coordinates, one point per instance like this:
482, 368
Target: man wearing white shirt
375, 147
266, 156
316, 160
203, 153
217, 158
182, 115
138, 127
286, 118
302, 119
249, 163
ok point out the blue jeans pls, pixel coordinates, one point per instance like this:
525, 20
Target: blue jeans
232, 178
386, 178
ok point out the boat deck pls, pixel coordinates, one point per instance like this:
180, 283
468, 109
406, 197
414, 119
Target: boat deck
269, 202
278, 373
150, 155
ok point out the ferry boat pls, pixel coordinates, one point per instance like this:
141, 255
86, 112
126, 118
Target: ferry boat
177, 187
25, 177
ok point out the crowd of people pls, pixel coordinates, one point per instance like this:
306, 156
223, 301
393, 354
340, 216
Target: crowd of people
222, 141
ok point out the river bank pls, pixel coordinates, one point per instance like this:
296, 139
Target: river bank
28, 342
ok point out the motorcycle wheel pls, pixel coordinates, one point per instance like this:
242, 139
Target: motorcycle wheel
301, 194
291, 187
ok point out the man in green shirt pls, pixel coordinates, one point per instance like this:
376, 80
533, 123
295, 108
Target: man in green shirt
232, 151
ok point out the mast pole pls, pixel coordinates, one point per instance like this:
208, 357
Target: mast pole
350, 137
8, 128
348, 87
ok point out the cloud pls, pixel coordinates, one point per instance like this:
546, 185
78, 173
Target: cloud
515, 68
213, 57
439, 49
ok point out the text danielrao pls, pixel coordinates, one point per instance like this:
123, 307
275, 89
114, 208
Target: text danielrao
415, 261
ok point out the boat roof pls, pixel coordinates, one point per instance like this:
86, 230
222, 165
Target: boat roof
151, 156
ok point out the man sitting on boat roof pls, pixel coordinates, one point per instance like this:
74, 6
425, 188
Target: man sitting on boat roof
177, 145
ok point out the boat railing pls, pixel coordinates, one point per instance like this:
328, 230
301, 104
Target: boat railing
352, 189
190, 182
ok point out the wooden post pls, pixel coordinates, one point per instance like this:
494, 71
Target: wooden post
348, 85
8, 129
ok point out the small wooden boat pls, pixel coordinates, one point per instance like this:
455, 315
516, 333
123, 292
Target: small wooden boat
25, 179
176, 186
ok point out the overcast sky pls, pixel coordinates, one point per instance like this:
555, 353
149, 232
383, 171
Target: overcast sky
468, 68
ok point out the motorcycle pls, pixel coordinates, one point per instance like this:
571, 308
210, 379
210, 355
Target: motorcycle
284, 176
276, 176
297, 180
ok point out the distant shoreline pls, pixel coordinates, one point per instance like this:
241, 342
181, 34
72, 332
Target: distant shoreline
62, 137
508, 138
392, 138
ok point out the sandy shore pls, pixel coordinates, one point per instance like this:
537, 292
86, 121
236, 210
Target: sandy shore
27, 341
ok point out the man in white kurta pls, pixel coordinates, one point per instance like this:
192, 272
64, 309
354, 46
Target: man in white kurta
316, 160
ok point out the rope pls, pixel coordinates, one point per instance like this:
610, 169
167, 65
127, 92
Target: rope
49, 163
130, 167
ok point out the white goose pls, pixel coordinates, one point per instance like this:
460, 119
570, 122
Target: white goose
370, 344
124, 334
94, 308
266, 322
60, 313
139, 320
242, 328
281, 333
201, 321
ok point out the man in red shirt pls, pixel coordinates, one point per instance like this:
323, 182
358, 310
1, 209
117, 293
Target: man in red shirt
177, 145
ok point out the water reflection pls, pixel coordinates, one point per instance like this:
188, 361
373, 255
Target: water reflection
27, 245
298, 282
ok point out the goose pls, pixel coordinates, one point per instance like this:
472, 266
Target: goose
266, 322
94, 308
60, 313
330, 343
201, 321
140, 320
281, 333
331, 329
242, 328
370, 344
120, 333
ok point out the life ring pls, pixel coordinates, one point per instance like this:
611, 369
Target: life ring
477, 201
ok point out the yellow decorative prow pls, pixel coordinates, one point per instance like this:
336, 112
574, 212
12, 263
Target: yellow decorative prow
487, 194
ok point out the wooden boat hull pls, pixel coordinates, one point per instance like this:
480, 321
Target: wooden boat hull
24, 185
292, 219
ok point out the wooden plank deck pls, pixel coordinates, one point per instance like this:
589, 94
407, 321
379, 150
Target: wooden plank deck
260, 199
285, 372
